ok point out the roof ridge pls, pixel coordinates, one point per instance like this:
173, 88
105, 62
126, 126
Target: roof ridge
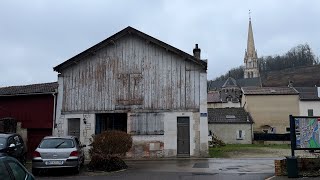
28, 84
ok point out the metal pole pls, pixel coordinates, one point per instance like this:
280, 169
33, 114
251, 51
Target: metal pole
292, 135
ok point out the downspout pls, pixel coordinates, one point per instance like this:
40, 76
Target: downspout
54, 125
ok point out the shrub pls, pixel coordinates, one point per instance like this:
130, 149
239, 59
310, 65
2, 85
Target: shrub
107, 150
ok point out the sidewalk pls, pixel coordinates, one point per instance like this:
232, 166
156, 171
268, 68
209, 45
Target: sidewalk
286, 177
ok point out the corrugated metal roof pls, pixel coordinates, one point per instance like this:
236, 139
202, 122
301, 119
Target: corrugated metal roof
29, 89
308, 93
269, 91
228, 115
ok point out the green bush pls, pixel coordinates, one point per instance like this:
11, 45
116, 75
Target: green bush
107, 149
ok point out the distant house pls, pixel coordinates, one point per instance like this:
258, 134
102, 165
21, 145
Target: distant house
231, 125
248, 82
228, 95
32, 106
270, 107
138, 84
309, 101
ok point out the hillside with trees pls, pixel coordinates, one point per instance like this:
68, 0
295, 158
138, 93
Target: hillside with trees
296, 58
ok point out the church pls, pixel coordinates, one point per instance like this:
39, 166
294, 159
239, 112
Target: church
227, 93
251, 69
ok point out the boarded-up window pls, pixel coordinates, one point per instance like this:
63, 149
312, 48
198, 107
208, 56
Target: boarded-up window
147, 124
130, 89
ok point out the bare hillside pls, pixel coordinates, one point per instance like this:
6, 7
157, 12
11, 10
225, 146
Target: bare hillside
302, 76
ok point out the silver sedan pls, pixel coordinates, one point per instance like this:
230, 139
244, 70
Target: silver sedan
58, 152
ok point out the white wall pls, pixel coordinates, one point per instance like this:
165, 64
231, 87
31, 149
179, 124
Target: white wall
305, 105
169, 138
228, 133
224, 105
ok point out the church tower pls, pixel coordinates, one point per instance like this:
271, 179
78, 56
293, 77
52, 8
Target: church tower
251, 69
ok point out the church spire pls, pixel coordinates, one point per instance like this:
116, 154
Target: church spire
250, 43
250, 58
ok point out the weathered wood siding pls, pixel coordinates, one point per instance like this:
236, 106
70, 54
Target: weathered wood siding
132, 73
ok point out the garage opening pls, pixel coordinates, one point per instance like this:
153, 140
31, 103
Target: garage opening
111, 121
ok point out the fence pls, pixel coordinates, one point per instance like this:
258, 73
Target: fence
271, 137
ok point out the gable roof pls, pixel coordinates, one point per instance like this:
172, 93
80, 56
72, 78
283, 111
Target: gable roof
247, 82
228, 115
230, 82
120, 34
269, 91
308, 93
43, 88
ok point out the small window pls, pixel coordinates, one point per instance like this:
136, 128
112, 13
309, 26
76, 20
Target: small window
310, 112
147, 124
287, 129
240, 134
230, 116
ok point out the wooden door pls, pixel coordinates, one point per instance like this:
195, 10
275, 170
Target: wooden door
74, 127
183, 137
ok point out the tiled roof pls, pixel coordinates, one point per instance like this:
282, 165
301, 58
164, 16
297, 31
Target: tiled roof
228, 115
308, 93
268, 91
248, 82
29, 89
213, 96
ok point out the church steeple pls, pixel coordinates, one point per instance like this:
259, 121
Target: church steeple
250, 43
250, 58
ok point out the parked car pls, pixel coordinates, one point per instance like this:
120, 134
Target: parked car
13, 145
12, 169
58, 152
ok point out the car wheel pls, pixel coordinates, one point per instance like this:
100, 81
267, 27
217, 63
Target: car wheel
35, 171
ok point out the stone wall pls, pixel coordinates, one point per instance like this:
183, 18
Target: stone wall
306, 167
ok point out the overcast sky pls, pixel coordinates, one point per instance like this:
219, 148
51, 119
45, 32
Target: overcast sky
36, 35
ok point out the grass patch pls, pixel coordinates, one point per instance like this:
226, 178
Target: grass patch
223, 151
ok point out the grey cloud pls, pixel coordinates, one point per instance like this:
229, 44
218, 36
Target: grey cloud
37, 35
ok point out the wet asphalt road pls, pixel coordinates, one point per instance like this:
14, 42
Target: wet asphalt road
182, 169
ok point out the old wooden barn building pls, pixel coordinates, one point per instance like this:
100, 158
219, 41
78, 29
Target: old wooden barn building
141, 85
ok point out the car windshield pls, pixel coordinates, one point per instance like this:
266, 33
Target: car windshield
3, 142
56, 143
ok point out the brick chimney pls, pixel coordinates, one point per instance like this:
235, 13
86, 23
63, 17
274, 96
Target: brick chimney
196, 52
